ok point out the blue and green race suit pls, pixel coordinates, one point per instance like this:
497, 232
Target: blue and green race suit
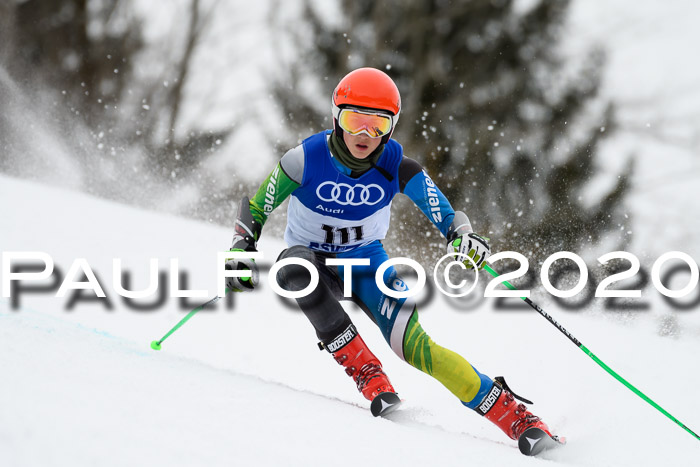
334, 212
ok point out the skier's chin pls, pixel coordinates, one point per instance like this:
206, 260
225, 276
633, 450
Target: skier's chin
361, 151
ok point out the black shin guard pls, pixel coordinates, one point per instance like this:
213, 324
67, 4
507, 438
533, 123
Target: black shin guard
321, 306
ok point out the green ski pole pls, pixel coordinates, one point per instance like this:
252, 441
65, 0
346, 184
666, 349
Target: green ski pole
594, 357
155, 345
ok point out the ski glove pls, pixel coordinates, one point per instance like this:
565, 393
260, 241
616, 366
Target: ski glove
245, 283
245, 237
472, 245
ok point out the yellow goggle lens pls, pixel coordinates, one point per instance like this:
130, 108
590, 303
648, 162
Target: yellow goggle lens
356, 122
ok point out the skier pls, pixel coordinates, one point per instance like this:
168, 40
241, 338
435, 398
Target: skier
341, 183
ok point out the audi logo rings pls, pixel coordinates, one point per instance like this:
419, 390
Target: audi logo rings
350, 195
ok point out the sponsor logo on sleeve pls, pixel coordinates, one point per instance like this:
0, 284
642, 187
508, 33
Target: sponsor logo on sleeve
433, 199
270, 191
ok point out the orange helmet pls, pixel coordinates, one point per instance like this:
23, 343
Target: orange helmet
368, 88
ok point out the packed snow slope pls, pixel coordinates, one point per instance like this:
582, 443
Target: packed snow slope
246, 385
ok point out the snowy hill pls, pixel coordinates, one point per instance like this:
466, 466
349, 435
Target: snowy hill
246, 385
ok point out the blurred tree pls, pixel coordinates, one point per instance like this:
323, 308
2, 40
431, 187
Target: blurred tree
89, 51
508, 130
83, 48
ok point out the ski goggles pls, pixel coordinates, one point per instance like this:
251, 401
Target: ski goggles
373, 124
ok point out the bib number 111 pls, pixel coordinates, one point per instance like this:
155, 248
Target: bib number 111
342, 233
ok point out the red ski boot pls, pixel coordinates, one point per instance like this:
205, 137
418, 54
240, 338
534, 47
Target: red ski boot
350, 350
499, 406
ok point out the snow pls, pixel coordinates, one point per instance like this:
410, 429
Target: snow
247, 386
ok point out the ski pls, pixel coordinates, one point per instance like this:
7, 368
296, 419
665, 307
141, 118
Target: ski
385, 403
535, 440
